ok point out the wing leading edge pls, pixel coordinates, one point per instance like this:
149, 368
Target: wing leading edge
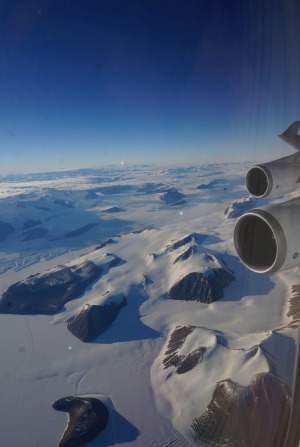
290, 135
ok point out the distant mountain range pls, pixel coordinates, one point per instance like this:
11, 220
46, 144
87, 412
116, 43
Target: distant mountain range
124, 304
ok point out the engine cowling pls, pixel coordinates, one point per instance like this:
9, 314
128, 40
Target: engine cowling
267, 239
274, 178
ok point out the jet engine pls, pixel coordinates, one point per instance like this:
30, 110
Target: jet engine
277, 177
267, 239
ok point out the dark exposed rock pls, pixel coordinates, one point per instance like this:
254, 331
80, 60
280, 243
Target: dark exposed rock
178, 338
182, 363
176, 342
43, 208
35, 233
173, 197
6, 229
147, 280
209, 185
115, 262
193, 237
107, 242
213, 258
91, 194
186, 254
246, 416
64, 202
94, 320
115, 189
81, 230
30, 223
201, 287
153, 188
191, 360
142, 230
114, 209
21, 205
88, 417
294, 309
46, 293
239, 207
178, 202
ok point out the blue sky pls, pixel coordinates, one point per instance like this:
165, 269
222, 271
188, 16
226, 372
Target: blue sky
95, 82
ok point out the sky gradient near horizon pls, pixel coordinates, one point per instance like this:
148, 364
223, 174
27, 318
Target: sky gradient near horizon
95, 82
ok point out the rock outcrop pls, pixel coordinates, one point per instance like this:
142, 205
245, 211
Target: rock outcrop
46, 293
113, 209
115, 262
64, 202
94, 320
88, 417
239, 207
203, 287
91, 194
294, 306
30, 223
209, 185
35, 233
81, 230
193, 237
246, 416
6, 229
182, 363
107, 242
173, 197
115, 189
186, 254
153, 188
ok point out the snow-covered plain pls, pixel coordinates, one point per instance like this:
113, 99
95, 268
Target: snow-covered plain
149, 405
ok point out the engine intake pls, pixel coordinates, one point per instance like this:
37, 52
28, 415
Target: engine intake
277, 177
267, 239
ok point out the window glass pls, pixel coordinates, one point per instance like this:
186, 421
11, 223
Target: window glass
149, 243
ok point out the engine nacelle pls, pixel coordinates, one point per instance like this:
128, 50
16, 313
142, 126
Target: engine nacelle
267, 239
274, 178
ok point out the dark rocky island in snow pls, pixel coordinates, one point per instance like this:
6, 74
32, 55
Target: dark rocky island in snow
209, 185
88, 417
115, 262
107, 242
64, 202
46, 293
173, 197
94, 320
239, 207
153, 188
115, 189
203, 287
43, 208
81, 230
35, 233
91, 194
113, 209
6, 229
294, 306
193, 237
246, 416
31, 223
187, 254
182, 363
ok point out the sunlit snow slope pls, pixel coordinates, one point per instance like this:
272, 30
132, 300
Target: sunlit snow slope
123, 284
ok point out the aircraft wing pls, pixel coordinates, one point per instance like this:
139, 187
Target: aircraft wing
290, 135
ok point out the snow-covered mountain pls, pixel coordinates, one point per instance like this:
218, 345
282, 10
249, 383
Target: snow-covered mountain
116, 290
